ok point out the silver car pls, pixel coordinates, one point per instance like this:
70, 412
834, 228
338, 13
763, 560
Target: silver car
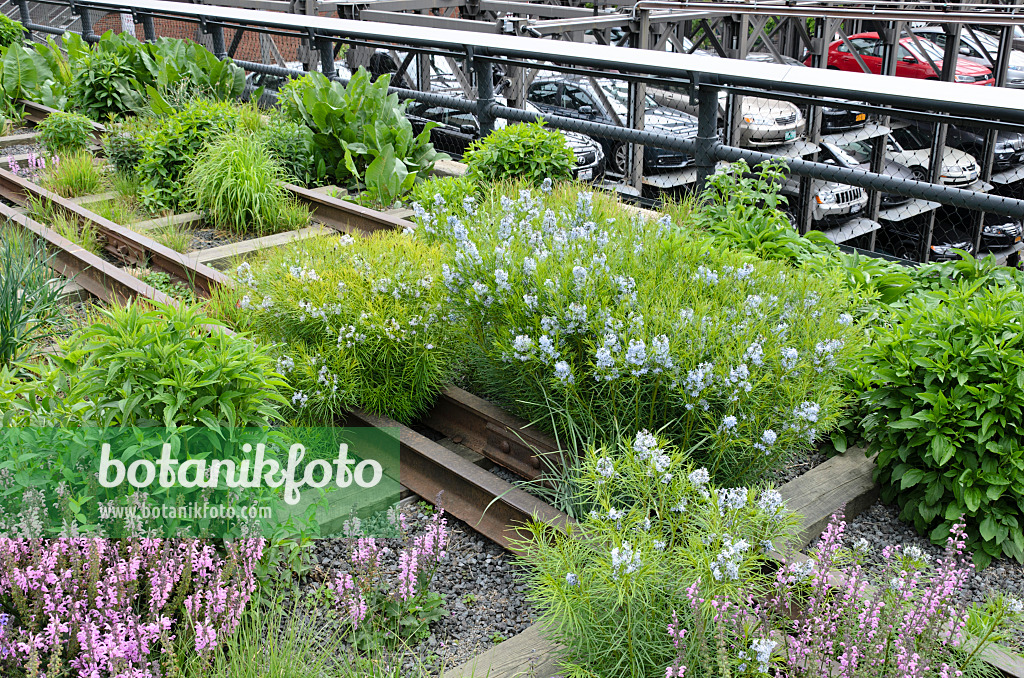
980, 48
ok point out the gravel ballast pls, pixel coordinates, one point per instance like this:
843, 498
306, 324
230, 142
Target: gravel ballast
881, 527
485, 597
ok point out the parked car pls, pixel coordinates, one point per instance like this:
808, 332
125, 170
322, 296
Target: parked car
910, 61
999, 232
905, 239
857, 155
764, 122
456, 130
909, 147
833, 119
577, 97
995, 29
833, 203
1008, 152
979, 48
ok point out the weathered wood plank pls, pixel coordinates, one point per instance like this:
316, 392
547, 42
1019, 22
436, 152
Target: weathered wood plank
185, 219
842, 482
527, 655
95, 197
218, 256
18, 139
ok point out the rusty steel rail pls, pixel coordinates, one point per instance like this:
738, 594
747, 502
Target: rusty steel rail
98, 277
488, 504
123, 243
346, 216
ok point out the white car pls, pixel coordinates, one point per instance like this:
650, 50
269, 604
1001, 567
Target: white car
958, 167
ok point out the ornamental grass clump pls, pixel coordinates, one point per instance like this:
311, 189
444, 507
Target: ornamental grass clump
585, 310
943, 385
360, 323
240, 187
901, 619
606, 587
87, 607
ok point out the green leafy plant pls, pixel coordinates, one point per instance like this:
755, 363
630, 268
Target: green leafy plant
122, 145
24, 74
236, 183
11, 32
105, 87
291, 144
608, 586
73, 175
171, 143
943, 383
64, 133
564, 294
359, 321
527, 151
361, 133
163, 282
29, 295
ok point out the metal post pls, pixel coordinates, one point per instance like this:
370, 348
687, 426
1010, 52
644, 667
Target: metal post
484, 96
326, 48
148, 29
87, 33
707, 134
638, 106
938, 149
890, 34
220, 49
26, 17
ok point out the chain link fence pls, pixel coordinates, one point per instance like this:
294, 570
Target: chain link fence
856, 166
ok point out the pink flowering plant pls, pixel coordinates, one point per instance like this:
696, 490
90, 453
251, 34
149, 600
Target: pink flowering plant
832, 615
103, 608
380, 606
606, 587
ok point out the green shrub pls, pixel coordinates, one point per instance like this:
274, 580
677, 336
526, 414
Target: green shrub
360, 320
11, 31
73, 176
530, 152
565, 295
171, 143
944, 385
608, 588
236, 183
361, 133
105, 87
62, 133
122, 144
29, 297
291, 144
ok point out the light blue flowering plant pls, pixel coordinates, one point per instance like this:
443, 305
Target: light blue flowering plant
580, 305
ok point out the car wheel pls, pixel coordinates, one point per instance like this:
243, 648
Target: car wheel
620, 158
920, 173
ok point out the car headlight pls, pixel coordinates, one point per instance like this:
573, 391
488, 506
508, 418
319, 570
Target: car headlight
952, 169
825, 198
758, 120
966, 78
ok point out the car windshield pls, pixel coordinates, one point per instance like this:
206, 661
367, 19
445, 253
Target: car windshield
929, 47
843, 157
618, 96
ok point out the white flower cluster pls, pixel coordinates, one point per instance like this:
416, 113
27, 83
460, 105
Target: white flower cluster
625, 560
727, 563
732, 498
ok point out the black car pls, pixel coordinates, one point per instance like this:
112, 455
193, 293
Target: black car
1009, 149
456, 130
833, 119
905, 239
857, 155
573, 97
997, 232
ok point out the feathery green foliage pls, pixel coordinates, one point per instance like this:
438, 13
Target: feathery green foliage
360, 321
236, 183
29, 294
565, 295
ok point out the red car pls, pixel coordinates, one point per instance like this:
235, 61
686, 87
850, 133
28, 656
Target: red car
910, 63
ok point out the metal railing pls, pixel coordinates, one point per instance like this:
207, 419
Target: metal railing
700, 78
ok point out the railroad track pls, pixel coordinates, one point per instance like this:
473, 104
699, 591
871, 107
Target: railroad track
491, 505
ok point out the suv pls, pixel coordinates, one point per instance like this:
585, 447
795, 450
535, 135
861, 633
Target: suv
455, 130
575, 97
